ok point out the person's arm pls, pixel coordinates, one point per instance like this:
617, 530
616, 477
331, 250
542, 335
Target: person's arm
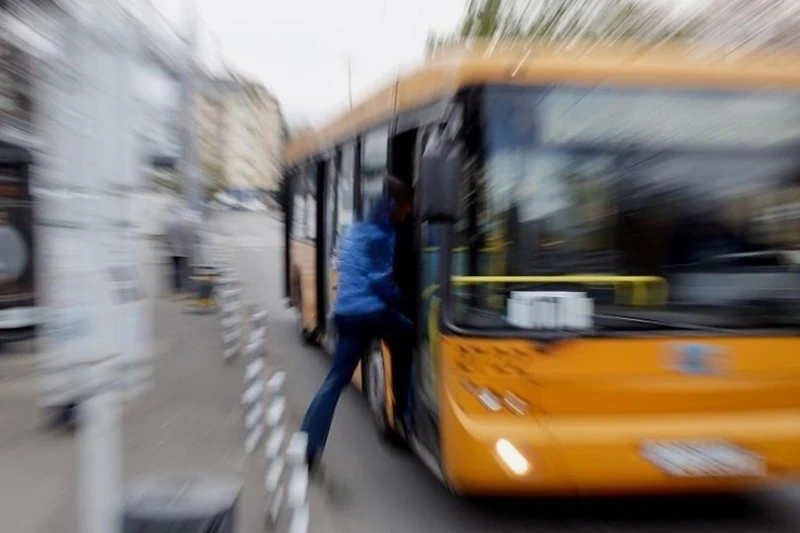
381, 275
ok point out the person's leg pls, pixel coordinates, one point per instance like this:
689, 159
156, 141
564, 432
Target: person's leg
353, 342
176, 274
186, 275
398, 333
179, 275
401, 350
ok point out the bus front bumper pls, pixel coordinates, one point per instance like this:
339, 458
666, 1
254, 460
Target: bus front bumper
715, 452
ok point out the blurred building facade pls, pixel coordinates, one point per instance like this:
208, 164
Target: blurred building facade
31, 41
208, 124
28, 36
240, 136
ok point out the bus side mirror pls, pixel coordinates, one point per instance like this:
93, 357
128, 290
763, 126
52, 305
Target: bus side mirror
438, 185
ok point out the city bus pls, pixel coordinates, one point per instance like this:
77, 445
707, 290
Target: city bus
607, 286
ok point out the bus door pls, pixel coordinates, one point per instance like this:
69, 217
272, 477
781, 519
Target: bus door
329, 171
340, 201
424, 371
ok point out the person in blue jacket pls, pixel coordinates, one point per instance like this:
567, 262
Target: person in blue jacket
366, 305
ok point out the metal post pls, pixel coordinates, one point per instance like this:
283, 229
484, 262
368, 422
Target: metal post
350, 81
100, 467
191, 184
105, 89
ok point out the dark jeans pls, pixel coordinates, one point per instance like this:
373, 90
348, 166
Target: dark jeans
179, 274
355, 335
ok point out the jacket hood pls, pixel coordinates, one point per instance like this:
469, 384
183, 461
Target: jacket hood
381, 212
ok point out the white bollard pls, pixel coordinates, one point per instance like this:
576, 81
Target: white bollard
254, 369
276, 382
296, 451
275, 502
275, 412
254, 417
253, 438
300, 520
274, 475
286, 479
253, 402
253, 393
274, 420
272, 449
228, 296
253, 396
297, 490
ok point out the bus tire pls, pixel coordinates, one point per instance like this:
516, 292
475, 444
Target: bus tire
374, 384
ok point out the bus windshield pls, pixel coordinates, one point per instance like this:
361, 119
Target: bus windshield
701, 189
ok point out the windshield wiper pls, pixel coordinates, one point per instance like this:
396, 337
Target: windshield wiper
662, 324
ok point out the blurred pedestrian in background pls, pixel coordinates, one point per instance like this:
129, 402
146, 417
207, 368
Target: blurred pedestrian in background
180, 237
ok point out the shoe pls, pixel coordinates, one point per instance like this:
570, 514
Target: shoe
405, 426
402, 429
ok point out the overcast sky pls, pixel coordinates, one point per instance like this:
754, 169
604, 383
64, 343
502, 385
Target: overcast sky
299, 48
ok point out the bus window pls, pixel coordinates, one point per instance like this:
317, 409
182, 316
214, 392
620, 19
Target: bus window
310, 179
331, 167
374, 151
299, 207
345, 208
588, 192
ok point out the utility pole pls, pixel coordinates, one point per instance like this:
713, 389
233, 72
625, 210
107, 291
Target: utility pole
191, 168
106, 163
350, 81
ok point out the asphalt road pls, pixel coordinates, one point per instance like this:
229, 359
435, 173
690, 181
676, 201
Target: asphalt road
373, 488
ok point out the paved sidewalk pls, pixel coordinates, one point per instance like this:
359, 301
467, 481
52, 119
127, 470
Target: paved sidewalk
191, 418
326, 495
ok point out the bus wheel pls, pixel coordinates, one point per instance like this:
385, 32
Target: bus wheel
374, 379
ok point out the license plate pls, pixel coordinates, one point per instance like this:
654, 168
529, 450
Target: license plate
704, 459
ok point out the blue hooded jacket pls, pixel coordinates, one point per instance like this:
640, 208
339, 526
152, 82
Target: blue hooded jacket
366, 258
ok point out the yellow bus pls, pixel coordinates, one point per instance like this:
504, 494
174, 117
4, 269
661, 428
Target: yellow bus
607, 295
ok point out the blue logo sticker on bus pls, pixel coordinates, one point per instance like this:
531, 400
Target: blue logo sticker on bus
696, 359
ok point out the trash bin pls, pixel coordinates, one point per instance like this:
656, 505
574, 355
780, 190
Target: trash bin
181, 503
204, 278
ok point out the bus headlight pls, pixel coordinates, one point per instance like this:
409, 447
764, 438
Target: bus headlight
512, 457
489, 400
494, 402
515, 404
